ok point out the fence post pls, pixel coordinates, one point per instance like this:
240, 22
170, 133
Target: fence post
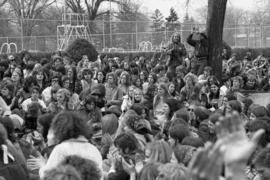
136, 36
22, 33
261, 35
103, 37
35, 43
235, 34
248, 36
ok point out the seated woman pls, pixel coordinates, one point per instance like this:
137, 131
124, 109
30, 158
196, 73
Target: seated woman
92, 113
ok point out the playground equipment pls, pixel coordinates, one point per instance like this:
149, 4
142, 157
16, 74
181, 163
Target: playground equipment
8, 48
73, 27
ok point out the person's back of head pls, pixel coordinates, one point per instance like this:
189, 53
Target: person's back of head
109, 124
69, 125
62, 173
193, 141
201, 113
259, 111
87, 169
126, 142
183, 114
183, 153
235, 105
149, 171
160, 151
179, 132
174, 171
176, 121
45, 121
256, 125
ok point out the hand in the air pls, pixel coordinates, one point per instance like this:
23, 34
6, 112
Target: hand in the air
238, 147
207, 162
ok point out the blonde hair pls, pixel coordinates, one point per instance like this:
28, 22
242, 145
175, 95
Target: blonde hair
65, 92
174, 171
160, 151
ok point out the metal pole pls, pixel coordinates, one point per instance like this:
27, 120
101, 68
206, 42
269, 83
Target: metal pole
65, 11
22, 16
235, 35
110, 23
103, 36
255, 36
136, 38
165, 32
35, 43
248, 36
261, 34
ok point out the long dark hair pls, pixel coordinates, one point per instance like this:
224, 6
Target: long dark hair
73, 78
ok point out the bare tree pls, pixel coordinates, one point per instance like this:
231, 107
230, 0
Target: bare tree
75, 6
91, 7
27, 11
3, 2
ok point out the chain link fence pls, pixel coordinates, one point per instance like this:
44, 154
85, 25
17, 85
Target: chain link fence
43, 35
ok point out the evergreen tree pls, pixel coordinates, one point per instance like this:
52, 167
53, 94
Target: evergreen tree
173, 17
172, 23
157, 19
157, 26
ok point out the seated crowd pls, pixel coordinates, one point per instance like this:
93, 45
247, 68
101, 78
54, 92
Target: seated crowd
132, 119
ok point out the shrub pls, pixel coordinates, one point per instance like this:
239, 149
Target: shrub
130, 55
241, 52
81, 47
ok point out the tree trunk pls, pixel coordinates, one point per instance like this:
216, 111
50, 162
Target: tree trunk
214, 29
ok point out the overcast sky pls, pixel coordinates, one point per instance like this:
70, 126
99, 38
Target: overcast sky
179, 5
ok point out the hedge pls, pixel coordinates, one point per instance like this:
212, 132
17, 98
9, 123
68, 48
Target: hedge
241, 52
81, 47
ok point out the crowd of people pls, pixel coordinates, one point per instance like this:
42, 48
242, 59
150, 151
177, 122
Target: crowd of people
165, 118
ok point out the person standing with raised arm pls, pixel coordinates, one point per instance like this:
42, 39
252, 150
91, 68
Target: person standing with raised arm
199, 41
